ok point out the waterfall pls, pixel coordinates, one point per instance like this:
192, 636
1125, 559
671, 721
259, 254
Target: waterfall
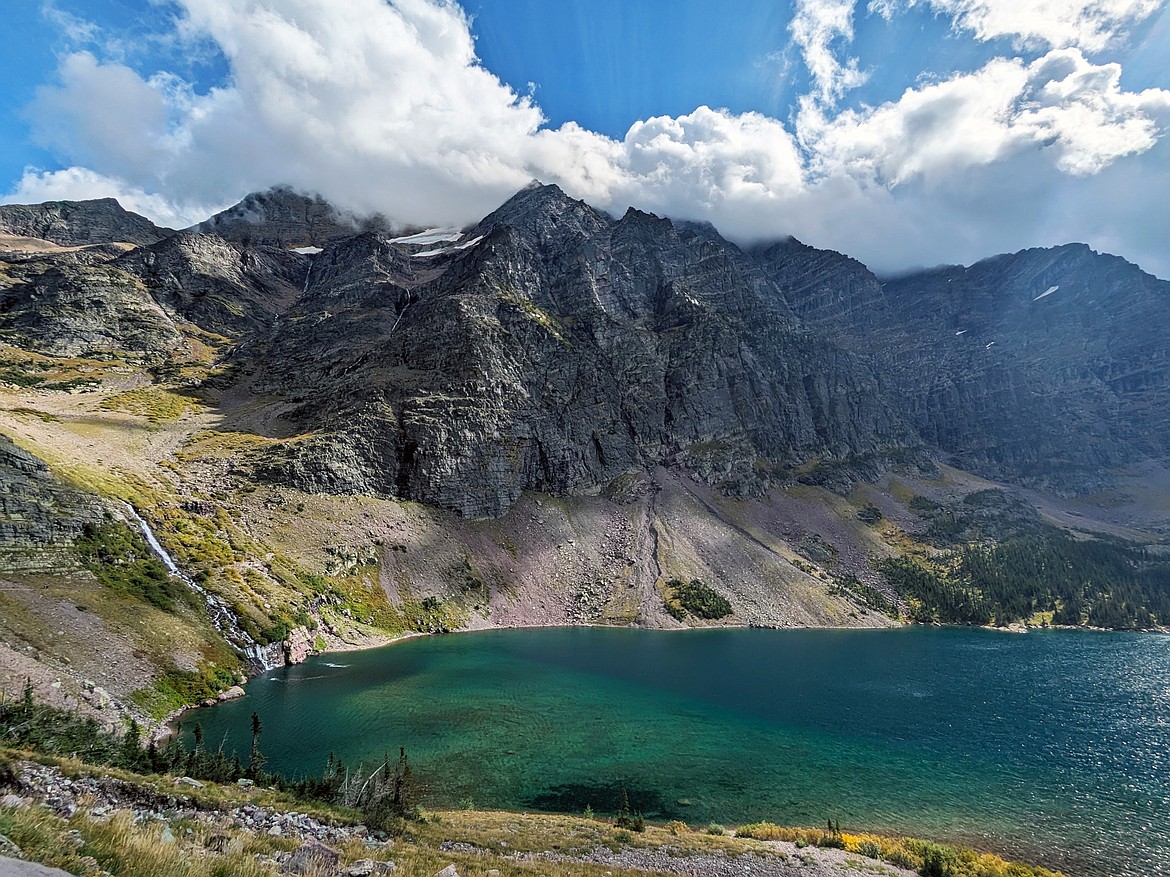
260, 657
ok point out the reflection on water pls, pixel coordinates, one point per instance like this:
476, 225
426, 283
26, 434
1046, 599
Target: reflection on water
1050, 746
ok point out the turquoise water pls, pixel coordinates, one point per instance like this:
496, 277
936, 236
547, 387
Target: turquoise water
1053, 746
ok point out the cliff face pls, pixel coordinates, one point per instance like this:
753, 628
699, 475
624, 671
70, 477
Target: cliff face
74, 304
1047, 365
79, 223
552, 349
220, 286
39, 518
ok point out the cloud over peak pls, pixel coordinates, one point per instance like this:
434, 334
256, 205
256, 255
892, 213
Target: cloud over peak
385, 107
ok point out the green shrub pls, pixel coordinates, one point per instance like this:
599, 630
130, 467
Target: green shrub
937, 861
761, 831
902, 858
696, 598
123, 562
869, 849
716, 829
8, 777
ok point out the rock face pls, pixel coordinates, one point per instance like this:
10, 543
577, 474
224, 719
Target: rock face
79, 223
83, 306
220, 286
298, 645
553, 349
39, 518
284, 218
1047, 365
101, 300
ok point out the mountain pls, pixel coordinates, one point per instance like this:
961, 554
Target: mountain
553, 349
1046, 366
282, 217
79, 223
337, 433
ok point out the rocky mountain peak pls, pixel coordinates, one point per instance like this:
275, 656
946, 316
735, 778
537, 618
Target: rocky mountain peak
284, 217
80, 223
545, 214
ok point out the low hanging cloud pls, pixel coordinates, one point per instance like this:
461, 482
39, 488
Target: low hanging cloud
384, 106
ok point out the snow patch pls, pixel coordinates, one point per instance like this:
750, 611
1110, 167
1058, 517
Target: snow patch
307, 251
430, 236
439, 252
960, 332
1046, 293
989, 345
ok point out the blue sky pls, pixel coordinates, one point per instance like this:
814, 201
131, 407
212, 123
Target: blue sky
905, 132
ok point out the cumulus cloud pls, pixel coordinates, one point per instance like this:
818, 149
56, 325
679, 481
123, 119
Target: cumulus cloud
81, 184
818, 28
1085, 24
384, 106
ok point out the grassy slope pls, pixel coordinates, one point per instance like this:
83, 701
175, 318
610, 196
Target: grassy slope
477, 842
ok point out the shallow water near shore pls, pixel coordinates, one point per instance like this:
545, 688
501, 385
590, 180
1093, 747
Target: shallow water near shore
1053, 747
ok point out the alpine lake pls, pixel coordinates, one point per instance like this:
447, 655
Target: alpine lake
1052, 747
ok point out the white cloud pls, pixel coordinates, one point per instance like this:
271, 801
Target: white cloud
818, 27
385, 107
1060, 104
80, 184
1085, 24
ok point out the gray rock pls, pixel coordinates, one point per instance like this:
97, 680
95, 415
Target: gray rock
79, 223
557, 352
1044, 366
8, 848
313, 854
39, 517
16, 868
361, 868
282, 217
449, 871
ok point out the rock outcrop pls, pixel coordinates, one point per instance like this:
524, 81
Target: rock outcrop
1048, 365
39, 518
83, 306
222, 287
282, 217
554, 348
79, 223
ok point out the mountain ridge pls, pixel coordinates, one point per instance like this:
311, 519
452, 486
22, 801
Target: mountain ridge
549, 417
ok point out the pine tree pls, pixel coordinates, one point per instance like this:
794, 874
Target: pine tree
255, 758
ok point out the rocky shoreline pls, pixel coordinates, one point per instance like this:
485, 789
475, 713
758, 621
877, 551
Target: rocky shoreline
181, 816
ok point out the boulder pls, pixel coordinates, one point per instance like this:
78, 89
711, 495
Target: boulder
313, 855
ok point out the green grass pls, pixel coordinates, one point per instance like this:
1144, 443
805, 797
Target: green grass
156, 405
123, 562
176, 688
497, 840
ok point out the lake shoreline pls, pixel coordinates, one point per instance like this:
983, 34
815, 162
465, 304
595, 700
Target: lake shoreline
743, 725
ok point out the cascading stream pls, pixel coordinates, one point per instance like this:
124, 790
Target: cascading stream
260, 657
